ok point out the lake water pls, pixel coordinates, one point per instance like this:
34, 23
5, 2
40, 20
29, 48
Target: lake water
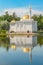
21, 50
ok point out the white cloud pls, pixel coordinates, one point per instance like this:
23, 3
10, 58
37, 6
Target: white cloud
21, 11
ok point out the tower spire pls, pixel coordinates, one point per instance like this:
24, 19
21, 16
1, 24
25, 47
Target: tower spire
30, 12
30, 9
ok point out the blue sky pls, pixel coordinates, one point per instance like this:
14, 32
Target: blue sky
21, 7
38, 4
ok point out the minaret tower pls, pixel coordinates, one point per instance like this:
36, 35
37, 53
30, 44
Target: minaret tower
30, 10
30, 13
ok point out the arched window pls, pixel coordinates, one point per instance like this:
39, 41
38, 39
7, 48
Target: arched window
28, 31
12, 32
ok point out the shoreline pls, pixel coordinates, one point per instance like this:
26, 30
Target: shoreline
20, 34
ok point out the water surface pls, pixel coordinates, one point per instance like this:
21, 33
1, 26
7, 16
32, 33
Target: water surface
21, 50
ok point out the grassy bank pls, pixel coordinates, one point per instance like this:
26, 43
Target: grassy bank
40, 31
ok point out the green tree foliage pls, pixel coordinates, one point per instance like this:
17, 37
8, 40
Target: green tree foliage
5, 26
39, 20
15, 17
9, 18
5, 42
1, 18
35, 17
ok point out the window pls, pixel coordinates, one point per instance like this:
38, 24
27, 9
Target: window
21, 25
17, 25
28, 31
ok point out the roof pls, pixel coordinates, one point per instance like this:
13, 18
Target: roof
13, 21
25, 17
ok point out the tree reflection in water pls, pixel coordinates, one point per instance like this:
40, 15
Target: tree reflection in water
5, 41
40, 40
25, 44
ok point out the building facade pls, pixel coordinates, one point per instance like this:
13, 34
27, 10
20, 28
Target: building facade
24, 25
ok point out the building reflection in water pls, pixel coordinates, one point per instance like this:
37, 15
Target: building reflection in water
25, 43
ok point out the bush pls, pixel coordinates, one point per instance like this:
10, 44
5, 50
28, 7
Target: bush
5, 26
3, 31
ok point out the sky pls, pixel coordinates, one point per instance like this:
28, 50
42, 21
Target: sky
21, 4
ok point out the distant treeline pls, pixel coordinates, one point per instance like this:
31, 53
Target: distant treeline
39, 19
9, 18
5, 19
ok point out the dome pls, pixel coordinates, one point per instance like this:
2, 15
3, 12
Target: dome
13, 21
25, 17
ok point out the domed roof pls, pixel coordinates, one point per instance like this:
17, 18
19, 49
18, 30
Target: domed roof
25, 17
13, 21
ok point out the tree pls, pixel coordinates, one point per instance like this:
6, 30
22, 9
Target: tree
10, 18
40, 24
39, 20
14, 15
17, 19
35, 17
6, 16
5, 26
